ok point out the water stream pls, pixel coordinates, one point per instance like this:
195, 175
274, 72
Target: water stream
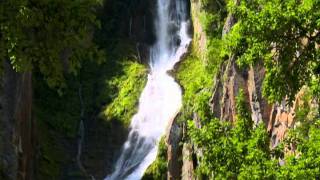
160, 100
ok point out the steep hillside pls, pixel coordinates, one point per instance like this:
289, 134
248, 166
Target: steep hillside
55, 117
72, 73
249, 111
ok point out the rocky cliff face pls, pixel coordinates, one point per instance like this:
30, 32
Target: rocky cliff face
25, 154
227, 83
230, 79
199, 36
17, 126
132, 20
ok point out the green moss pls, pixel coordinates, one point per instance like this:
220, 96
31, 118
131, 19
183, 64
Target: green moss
197, 71
158, 169
128, 88
196, 81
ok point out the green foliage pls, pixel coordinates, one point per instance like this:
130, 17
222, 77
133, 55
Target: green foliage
304, 141
212, 17
56, 40
306, 162
158, 169
206, 20
214, 55
127, 89
243, 123
42, 34
196, 72
231, 152
61, 113
241, 151
58, 116
305, 114
196, 80
283, 34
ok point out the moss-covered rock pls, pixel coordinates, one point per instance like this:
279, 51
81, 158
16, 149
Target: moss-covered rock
128, 88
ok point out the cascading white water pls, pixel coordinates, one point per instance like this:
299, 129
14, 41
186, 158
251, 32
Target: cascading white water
160, 100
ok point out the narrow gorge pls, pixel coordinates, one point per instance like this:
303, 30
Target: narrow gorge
159, 89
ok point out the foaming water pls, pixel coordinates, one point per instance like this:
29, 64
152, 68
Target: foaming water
160, 100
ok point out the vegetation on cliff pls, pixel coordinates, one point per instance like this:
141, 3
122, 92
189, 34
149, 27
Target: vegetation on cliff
242, 150
195, 94
127, 89
84, 63
158, 169
231, 151
284, 37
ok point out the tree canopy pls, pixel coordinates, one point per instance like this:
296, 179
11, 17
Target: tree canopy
241, 151
49, 35
285, 36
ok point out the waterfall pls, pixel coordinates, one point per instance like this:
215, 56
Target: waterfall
161, 98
